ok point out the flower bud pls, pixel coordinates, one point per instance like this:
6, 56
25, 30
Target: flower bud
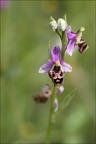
53, 25
44, 95
47, 91
61, 24
55, 105
60, 90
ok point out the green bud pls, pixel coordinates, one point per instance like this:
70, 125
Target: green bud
52, 19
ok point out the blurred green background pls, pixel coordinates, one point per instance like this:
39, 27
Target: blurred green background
25, 35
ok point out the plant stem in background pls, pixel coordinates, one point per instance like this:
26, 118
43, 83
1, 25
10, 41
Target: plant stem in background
51, 115
64, 43
58, 34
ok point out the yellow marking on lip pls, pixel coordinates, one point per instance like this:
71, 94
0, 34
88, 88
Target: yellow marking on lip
82, 29
57, 80
57, 63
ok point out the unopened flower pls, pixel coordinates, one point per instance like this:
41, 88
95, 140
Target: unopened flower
53, 25
44, 95
75, 39
55, 105
56, 68
61, 24
47, 91
60, 90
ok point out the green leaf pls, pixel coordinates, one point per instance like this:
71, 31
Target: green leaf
65, 18
66, 101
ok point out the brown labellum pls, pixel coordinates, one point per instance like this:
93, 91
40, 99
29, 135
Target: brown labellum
82, 46
57, 75
43, 96
40, 98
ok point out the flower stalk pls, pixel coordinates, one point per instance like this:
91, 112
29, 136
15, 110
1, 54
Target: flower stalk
64, 43
51, 115
56, 67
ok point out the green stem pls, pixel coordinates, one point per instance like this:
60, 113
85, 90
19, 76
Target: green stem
51, 115
64, 43
58, 33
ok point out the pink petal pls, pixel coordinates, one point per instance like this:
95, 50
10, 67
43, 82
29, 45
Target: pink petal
71, 46
66, 67
46, 67
55, 53
70, 33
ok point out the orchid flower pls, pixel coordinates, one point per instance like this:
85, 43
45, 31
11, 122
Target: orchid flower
56, 68
75, 39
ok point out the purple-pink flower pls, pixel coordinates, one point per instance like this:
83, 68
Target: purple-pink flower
56, 68
75, 39
4, 3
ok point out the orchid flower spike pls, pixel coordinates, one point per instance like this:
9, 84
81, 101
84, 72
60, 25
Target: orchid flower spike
56, 68
75, 39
